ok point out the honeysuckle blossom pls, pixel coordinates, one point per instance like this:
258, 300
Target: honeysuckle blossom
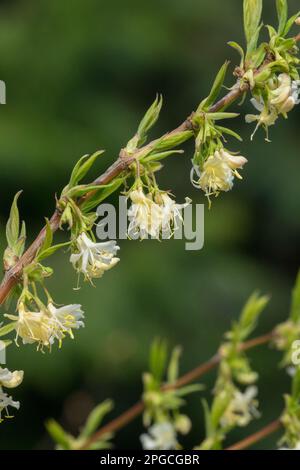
218, 172
161, 436
9, 380
241, 409
145, 215
93, 259
286, 95
283, 96
48, 324
64, 320
171, 213
156, 216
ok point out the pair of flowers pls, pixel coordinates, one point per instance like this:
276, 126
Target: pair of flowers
282, 96
48, 324
8, 380
156, 215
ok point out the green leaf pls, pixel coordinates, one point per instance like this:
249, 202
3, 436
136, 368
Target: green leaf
161, 155
183, 391
58, 434
13, 224
216, 88
209, 428
95, 418
225, 130
48, 238
6, 329
250, 313
296, 385
295, 306
172, 373
220, 116
290, 23
82, 167
282, 12
158, 359
238, 48
252, 19
101, 193
50, 251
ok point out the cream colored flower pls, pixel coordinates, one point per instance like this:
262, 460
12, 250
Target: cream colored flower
10, 379
161, 436
145, 216
93, 259
241, 409
44, 326
218, 172
297, 447
286, 95
32, 326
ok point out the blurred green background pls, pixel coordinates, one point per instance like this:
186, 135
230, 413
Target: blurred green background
79, 76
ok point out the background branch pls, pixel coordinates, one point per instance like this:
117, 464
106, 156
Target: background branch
137, 409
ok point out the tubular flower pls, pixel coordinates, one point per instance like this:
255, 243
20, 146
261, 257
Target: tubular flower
93, 259
9, 380
44, 326
170, 213
145, 216
64, 320
282, 99
286, 96
162, 436
218, 172
241, 409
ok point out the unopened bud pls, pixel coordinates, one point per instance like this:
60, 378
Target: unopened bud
297, 21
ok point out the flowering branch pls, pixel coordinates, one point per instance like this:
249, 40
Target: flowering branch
136, 410
13, 275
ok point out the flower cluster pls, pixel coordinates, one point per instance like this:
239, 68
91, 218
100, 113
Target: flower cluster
46, 325
8, 380
218, 172
241, 409
155, 215
281, 95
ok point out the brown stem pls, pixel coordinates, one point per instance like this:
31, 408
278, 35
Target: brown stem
13, 275
258, 436
137, 409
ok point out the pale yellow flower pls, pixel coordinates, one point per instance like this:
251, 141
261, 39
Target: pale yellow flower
241, 409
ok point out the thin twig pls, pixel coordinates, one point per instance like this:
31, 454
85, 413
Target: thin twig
257, 436
137, 409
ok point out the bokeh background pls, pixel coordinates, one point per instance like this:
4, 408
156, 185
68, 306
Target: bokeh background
79, 76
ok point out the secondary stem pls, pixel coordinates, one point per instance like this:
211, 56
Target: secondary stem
257, 436
137, 409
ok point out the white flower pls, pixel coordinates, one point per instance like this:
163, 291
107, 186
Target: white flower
161, 436
218, 172
5, 402
64, 320
93, 259
171, 213
241, 409
145, 216
48, 324
9, 380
